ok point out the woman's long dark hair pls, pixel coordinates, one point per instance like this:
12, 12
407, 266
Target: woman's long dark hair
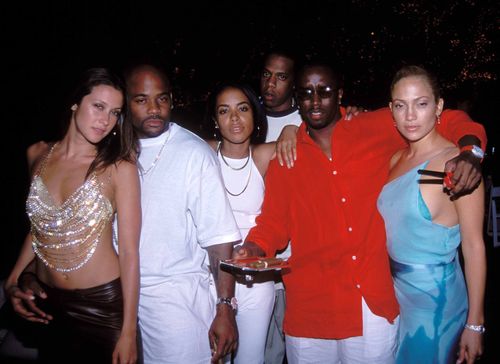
259, 117
121, 143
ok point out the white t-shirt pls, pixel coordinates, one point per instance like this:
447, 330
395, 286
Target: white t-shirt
277, 121
184, 209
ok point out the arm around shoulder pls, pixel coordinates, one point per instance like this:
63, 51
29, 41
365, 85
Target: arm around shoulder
456, 124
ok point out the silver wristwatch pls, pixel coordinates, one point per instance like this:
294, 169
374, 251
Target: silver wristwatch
228, 301
475, 150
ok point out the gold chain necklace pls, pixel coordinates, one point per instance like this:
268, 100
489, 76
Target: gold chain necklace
237, 169
158, 155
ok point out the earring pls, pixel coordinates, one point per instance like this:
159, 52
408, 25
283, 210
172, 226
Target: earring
114, 133
293, 102
216, 128
74, 107
438, 118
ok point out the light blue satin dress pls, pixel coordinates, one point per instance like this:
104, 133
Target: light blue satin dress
429, 283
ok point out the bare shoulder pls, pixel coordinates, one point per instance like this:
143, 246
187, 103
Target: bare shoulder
35, 154
448, 153
262, 155
264, 152
213, 143
395, 158
124, 169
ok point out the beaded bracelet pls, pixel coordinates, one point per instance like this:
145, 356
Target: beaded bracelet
477, 328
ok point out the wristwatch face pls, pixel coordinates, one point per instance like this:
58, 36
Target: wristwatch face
229, 301
234, 303
478, 152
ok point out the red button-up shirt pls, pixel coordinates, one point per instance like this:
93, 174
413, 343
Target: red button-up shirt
327, 209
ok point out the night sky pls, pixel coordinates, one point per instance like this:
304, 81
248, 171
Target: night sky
45, 44
202, 43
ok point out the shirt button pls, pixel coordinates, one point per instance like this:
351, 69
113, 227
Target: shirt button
342, 199
358, 285
354, 257
334, 172
349, 229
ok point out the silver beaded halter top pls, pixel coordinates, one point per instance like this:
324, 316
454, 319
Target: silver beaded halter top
65, 237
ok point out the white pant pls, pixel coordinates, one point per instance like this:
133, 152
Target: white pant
377, 345
174, 317
255, 305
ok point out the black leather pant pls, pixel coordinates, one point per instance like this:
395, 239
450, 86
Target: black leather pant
86, 325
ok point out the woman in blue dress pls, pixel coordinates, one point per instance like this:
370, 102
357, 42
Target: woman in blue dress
442, 315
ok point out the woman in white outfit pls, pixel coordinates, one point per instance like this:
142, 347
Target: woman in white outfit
235, 113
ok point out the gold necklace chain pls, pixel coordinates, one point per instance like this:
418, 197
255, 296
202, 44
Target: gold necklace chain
158, 155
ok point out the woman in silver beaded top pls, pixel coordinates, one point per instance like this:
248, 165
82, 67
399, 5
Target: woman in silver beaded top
89, 294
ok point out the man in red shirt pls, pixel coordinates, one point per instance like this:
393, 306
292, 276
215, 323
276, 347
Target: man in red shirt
341, 305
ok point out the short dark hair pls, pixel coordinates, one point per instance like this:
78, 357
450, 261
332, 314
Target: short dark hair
156, 67
285, 53
338, 79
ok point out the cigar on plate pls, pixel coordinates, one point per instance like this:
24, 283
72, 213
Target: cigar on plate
265, 263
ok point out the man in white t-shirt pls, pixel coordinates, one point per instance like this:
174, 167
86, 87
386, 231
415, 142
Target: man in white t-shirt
185, 216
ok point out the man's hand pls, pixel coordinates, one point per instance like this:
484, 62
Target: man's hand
223, 333
247, 250
352, 111
286, 146
467, 173
22, 298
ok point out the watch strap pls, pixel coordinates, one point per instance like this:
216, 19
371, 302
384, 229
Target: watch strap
230, 301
